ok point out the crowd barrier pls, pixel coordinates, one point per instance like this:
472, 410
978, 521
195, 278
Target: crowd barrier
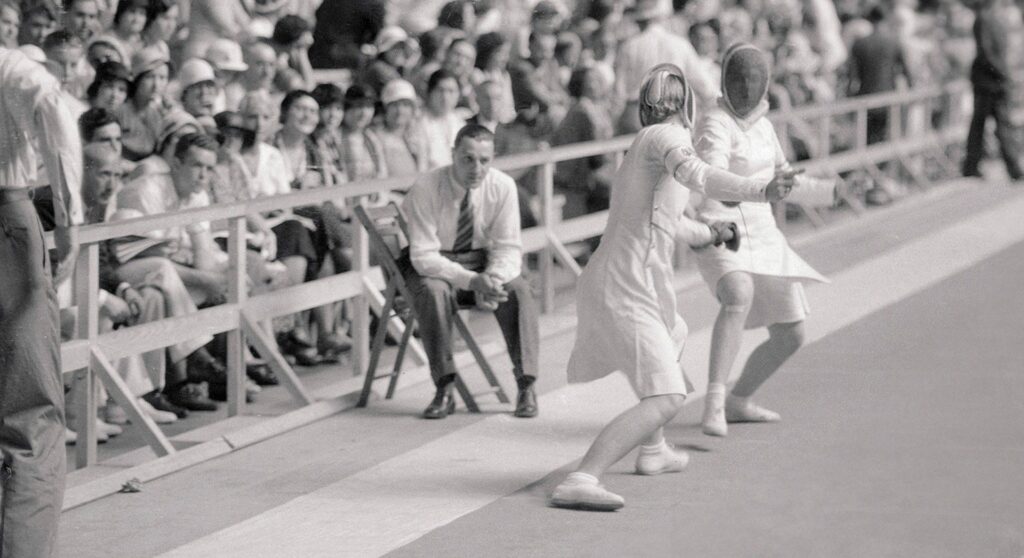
88, 357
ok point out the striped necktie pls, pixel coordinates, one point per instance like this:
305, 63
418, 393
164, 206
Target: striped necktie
464, 231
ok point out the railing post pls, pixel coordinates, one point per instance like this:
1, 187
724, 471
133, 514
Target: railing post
895, 121
86, 294
825, 137
237, 294
546, 192
361, 304
861, 129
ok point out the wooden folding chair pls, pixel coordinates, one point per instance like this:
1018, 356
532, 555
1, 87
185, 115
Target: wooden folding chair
388, 234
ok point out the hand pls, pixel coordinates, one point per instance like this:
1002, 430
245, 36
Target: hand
781, 185
486, 303
66, 240
734, 242
134, 300
488, 286
269, 245
723, 231
117, 310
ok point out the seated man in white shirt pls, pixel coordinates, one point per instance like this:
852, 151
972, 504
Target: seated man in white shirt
465, 245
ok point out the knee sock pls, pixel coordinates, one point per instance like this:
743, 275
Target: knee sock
581, 478
716, 391
653, 448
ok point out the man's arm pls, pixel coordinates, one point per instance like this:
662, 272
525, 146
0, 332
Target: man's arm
61, 150
505, 250
421, 208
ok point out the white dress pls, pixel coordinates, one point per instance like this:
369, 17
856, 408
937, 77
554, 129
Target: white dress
751, 149
625, 300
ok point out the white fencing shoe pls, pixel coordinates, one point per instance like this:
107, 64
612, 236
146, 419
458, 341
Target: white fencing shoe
660, 459
713, 423
582, 495
741, 409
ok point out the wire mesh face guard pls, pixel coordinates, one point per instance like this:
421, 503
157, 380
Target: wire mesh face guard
665, 93
746, 74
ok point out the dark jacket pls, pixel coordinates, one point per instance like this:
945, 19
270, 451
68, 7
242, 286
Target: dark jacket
1000, 40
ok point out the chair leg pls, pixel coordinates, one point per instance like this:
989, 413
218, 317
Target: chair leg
402, 345
481, 360
467, 396
377, 346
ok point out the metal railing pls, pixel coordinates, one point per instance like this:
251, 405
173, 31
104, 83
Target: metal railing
88, 357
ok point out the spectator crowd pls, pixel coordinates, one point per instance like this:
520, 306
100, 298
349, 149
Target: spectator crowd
188, 103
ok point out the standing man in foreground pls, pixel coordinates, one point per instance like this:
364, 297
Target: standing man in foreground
33, 117
465, 245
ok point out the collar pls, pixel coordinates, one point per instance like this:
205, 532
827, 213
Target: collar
457, 187
745, 122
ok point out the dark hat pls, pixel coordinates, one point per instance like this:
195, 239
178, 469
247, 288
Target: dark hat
545, 9
112, 71
230, 119
109, 72
289, 29
360, 96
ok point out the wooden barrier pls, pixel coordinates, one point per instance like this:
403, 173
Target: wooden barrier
90, 355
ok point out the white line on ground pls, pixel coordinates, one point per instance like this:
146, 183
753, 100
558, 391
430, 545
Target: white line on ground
391, 504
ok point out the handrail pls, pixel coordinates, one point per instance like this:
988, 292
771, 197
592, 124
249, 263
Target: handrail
868, 102
87, 357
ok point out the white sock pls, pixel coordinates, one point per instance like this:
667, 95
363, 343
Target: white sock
716, 388
581, 478
653, 448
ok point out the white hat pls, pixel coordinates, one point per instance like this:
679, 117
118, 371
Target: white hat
398, 90
226, 55
389, 37
194, 71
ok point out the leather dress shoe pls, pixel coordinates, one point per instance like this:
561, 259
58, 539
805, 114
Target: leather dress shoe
526, 403
202, 367
160, 402
306, 357
219, 392
261, 374
442, 405
194, 397
331, 347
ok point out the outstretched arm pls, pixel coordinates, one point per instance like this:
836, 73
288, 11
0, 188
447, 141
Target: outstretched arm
674, 146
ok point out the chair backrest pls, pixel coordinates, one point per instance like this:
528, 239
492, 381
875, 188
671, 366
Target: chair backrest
387, 231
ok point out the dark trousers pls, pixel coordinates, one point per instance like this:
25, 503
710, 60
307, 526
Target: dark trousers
31, 389
877, 125
994, 103
435, 301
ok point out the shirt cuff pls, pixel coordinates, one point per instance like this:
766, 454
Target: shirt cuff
462, 279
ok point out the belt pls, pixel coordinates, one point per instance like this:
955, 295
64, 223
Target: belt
13, 195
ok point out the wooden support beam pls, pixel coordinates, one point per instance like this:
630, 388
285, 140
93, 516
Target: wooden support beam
237, 294
122, 395
563, 254
87, 286
545, 189
268, 350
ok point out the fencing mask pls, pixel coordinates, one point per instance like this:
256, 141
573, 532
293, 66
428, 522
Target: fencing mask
746, 73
